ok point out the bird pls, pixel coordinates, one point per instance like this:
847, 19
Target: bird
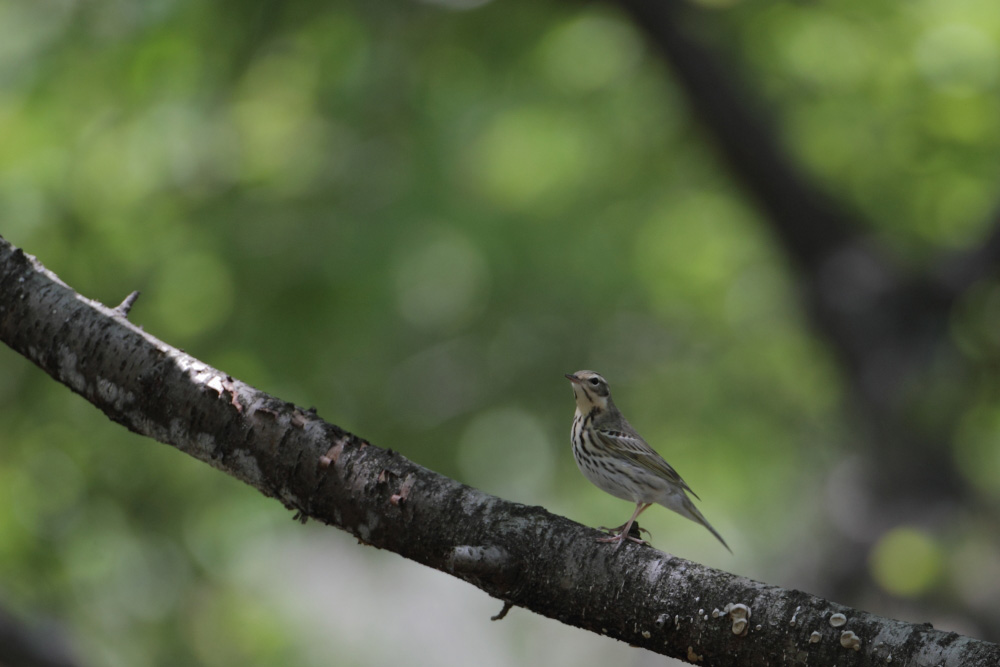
616, 459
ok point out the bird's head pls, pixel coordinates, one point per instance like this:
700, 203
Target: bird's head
591, 391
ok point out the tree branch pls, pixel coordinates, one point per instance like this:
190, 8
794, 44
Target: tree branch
522, 555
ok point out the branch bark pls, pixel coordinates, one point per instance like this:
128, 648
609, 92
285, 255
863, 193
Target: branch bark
522, 555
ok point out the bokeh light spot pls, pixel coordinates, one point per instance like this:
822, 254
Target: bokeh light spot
906, 562
691, 251
505, 451
282, 135
827, 49
589, 52
530, 154
192, 294
441, 281
958, 58
976, 451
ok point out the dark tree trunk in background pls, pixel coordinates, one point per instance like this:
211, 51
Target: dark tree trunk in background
887, 324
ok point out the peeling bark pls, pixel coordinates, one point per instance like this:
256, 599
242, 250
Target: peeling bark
522, 555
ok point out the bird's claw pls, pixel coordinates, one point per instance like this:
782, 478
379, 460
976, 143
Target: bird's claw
615, 535
634, 534
619, 538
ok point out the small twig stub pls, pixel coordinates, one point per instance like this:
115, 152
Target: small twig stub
503, 612
125, 306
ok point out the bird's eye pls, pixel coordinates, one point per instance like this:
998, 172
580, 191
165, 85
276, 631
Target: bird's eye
595, 381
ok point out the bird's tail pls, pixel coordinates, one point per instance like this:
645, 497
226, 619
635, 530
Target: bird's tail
692, 512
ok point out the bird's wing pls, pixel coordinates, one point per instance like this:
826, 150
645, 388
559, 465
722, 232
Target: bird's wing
631, 446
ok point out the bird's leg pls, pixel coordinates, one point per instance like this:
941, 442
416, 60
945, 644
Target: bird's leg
623, 533
627, 524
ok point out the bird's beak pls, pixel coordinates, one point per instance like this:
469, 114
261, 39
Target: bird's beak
572, 378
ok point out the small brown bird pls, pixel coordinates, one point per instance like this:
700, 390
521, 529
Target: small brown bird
612, 455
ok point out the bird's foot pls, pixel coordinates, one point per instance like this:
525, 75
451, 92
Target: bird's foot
634, 534
617, 536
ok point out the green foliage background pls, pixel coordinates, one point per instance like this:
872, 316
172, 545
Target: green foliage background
416, 219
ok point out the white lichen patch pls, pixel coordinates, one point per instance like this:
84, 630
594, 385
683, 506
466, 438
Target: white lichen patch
740, 614
243, 466
716, 613
177, 430
815, 637
738, 610
646, 634
654, 570
792, 622
109, 392
186, 362
204, 443
850, 640
68, 370
364, 532
214, 382
837, 620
